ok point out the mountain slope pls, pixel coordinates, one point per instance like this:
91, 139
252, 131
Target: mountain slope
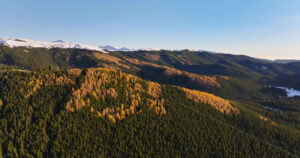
212, 64
100, 112
175, 68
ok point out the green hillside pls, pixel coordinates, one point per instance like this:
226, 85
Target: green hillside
102, 112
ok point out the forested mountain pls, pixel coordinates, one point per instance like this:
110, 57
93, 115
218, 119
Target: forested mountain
85, 103
191, 61
101, 112
183, 68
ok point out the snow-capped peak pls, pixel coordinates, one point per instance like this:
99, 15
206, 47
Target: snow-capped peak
112, 48
40, 44
124, 49
109, 48
60, 41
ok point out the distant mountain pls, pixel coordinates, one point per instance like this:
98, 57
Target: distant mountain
282, 61
112, 48
40, 44
125, 49
108, 47
279, 61
20, 42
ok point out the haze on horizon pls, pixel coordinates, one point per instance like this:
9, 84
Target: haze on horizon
259, 28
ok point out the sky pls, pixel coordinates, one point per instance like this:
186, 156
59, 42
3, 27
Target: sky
260, 28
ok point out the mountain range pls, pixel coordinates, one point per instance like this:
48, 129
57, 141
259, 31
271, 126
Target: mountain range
61, 99
39, 44
11, 42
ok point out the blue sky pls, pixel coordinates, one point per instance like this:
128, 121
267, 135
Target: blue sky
260, 28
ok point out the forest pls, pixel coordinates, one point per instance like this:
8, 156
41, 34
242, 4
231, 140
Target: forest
100, 112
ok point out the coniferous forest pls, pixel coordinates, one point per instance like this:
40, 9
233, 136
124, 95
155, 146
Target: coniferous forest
80, 103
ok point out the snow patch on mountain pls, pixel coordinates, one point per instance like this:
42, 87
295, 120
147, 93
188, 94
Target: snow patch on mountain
40, 44
291, 92
264, 67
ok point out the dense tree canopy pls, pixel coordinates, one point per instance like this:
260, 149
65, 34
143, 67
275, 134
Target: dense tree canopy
82, 113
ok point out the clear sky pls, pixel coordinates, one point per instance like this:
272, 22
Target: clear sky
260, 28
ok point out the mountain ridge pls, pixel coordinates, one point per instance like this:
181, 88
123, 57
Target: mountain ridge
39, 44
